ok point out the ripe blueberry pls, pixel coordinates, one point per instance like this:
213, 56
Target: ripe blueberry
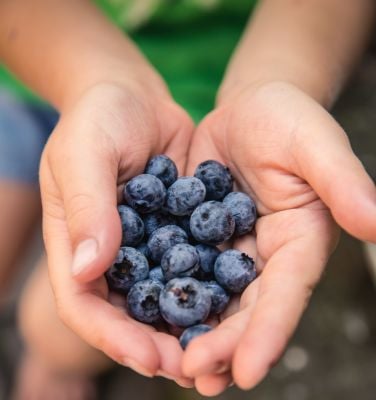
179, 261
143, 300
212, 223
163, 168
243, 210
216, 178
192, 332
184, 302
234, 270
184, 195
129, 267
164, 238
145, 193
131, 225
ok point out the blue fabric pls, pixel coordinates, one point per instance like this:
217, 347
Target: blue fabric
24, 130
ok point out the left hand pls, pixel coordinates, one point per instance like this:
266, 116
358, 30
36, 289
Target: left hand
291, 156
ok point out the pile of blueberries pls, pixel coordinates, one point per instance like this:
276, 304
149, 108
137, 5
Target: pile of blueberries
168, 264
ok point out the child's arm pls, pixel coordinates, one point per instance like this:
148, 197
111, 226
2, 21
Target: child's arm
289, 153
60, 48
312, 44
115, 113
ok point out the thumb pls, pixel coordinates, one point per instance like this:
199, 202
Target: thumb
86, 178
339, 178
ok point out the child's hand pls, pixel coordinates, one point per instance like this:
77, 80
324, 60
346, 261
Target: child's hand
104, 139
288, 152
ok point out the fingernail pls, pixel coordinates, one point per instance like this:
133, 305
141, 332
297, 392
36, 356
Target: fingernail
164, 374
84, 254
187, 384
127, 362
221, 368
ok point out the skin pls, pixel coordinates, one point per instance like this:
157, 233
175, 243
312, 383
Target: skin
270, 126
19, 211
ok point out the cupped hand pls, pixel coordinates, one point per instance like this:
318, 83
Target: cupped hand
291, 156
100, 142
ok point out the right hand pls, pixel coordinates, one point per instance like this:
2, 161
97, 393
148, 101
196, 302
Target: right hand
101, 141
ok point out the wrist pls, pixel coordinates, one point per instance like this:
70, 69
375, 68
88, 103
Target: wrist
141, 80
314, 83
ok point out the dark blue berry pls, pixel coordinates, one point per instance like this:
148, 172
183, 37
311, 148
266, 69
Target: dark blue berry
144, 249
143, 301
192, 332
212, 223
234, 270
131, 225
208, 255
157, 219
184, 195
145, 193
129, 267
220, 298
184, 223
156, 273
216, 178
163, 168
179, 261
164, 238
243, 210
184, 302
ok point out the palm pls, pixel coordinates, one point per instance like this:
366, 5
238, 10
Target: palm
102, 143
295, 235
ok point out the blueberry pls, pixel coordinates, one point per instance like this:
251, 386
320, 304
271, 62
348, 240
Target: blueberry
208, 255
243, 210
156, 273
184, 223
234, 270
129, 267
145, 193
219, 297
131, 225
192, 332
143, 300
163, 168
179, 261
184, 195
212, 223
184, 302
157, 219
144, 249
216, 178
164, 238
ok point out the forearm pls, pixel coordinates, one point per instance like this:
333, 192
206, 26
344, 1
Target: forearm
62, 47
312, 44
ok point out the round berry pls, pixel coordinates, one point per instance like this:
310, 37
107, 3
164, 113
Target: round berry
145, 193
184, 195
234, 270
212, 223
184, 302
163, 168
216, 178
131, 225
192, 332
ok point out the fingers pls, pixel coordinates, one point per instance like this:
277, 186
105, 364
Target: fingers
328, 163
85, 308
212, 353
213, 384
285, 287
85, 177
